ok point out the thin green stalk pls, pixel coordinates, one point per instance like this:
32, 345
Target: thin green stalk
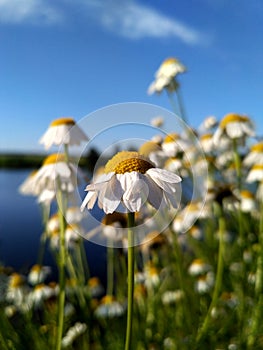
62, 267
84, 259
218, 283
237, 161
130, 281
181, 104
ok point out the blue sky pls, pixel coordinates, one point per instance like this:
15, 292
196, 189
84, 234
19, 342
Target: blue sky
73, 57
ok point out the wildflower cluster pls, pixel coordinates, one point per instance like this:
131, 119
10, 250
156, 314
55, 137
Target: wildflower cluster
192, 278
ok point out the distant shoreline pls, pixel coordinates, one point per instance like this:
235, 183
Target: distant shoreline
34, 161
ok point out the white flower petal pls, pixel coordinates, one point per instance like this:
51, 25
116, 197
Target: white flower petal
234, 130
112, 195
155, 196
164, 179
137, 192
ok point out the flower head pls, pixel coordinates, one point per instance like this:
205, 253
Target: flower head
63, 131
165, 76
55, 168
255, 156
130, 180
234, 126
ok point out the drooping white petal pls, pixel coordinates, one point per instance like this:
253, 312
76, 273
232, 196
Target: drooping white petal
89, 200
217, 136
100, 181
136, 191
112, 195
63, 169
155, 196
248, 129
164, 179
234, 130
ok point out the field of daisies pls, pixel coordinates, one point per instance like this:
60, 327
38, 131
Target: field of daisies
182, 225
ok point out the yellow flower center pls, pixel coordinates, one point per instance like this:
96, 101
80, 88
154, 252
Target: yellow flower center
63, 121
94, 282
54, 158
206, 137
16, 280
36, 268
126, 162
199, 262
233, 118
257, 147
107, 299
247, 194
257, 167
149, 147
171, 138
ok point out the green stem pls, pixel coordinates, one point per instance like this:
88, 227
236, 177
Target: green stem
130, 281
180, 104
84, 259
110, 268
219, 276
237, 161
62, 266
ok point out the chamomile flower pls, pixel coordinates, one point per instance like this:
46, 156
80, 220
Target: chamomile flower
205, 282
63, 131
130, 180
207, 143
38, 274
198, 267
109, 308
234, 126
157, 122
55, 169
165, 76
173, 144
172, 296
255, 173
255, 156
40, 293
209, 123
26, 188
17, 291
170, 67
248, 203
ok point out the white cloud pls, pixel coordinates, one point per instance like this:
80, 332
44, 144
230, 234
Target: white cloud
135, 21
36, 11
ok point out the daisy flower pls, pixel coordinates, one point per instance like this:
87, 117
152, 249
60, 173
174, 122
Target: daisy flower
170, 68
255, 174
248, 203
198, 267
157, 122
63, 131
38, 274
55, 168
207, 143
173, 144
109, 308
209, 123
130, 180
164, 77
233, 126
255, 156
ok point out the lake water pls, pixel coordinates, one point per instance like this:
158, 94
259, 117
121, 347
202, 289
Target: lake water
21, 228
